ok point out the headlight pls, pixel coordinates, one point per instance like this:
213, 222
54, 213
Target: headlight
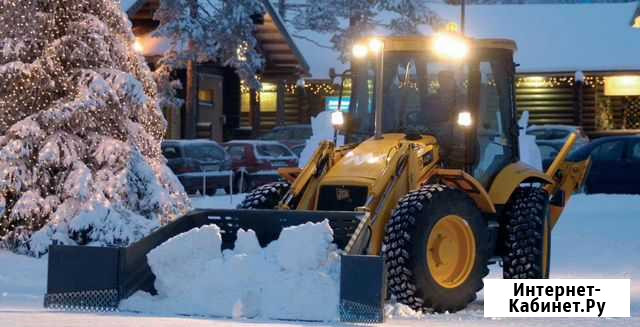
337, 118
464, 119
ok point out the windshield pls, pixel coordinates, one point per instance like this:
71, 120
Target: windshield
273, 151
425, 94
203, 152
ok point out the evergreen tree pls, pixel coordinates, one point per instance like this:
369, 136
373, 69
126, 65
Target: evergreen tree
80, 129
410, 15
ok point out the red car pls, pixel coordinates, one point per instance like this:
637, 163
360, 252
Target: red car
256, 162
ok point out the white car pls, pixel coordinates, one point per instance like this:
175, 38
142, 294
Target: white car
557, 134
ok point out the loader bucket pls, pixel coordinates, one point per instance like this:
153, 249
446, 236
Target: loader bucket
98, 278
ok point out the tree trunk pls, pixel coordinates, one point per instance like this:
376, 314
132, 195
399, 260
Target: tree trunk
191, 101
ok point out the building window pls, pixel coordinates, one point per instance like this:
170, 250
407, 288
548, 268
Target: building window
206, 96
268, 98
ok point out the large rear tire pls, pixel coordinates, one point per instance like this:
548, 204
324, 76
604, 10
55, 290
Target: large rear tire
266, 196
526, 233
436, 249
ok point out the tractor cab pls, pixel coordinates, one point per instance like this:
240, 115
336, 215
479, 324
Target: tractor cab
460, 91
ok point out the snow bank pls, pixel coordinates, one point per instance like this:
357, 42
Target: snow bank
322, 131
529, 150
295, 277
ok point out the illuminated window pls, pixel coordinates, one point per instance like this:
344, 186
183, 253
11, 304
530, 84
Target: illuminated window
205, 96
268, 97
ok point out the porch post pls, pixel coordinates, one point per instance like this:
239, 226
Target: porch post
254, 112
579, 102
281, 93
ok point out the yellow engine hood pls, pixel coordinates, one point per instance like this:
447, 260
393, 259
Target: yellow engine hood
368, 160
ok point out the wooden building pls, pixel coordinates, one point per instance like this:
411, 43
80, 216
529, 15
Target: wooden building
227, 109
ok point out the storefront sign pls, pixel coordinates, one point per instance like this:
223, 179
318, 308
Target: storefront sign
331, 103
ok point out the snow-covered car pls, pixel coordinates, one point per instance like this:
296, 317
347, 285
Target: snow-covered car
297, 150
289, 135
256, 162
558, 134
200, 165
548, 150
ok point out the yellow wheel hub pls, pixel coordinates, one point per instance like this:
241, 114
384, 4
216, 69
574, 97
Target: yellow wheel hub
451, 251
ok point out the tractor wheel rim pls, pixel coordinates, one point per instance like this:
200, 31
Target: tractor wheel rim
451, 251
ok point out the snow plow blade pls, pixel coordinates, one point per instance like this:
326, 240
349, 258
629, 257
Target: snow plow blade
98, 278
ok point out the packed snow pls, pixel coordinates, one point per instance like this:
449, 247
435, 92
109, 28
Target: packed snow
322, 130
296, 273
595, 238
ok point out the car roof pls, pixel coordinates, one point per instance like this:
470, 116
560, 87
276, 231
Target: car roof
567, 127
255, 142
188, 142
554, 144
294, 126
615, 138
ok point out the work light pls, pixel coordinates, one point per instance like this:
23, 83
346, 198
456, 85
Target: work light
450, 46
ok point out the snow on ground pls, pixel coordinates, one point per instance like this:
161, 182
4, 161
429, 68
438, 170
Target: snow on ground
217, 202
595, 238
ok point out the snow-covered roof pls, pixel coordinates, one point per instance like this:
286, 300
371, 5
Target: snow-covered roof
550, 37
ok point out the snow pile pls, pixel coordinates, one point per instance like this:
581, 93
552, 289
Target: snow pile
295, 277
401, 311
529, 150
322, 131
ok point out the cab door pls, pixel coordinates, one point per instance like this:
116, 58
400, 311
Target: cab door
494, 128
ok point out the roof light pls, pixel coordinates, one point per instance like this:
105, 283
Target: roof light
375, 45
360, 51
451, 46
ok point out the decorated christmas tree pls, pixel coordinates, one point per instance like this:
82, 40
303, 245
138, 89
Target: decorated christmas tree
80, 129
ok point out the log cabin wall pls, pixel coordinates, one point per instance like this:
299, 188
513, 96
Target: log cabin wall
557, 98
548, 99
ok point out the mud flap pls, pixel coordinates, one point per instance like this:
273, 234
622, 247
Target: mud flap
362, 289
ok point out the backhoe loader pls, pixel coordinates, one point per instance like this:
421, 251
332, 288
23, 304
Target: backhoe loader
432, 161
429, 188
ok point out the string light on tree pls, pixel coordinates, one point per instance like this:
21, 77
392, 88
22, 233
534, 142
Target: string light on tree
80, 129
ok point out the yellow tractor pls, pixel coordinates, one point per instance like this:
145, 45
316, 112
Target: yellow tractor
431, 166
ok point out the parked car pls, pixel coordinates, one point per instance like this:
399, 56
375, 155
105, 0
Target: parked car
558, 134
615, 164
256, 162
290, 135
200, 165
549, 150
297, 150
